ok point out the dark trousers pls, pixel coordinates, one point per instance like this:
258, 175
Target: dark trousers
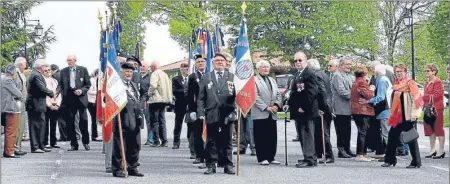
62, 126
93, 112
363, 123
36, 127
179, 117
158, 122
305, 127
69, 118
191, 137
218, 141
51, 118
318, 136
374, 139
343, 126
394, 142
131, 143
247, 137
199, 145
265, 131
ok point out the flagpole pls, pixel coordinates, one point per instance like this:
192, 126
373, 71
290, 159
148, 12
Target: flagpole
238, 159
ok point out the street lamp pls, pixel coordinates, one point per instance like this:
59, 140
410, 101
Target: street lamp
38, 30
409, 22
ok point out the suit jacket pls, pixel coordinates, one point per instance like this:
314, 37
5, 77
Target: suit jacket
57, 75
131, 115
37, 93
145, 84
82, 82
341, 86
324, 97
265, 98
21, 82
11, 95
303, 95
216, 101
193, 90
179, 92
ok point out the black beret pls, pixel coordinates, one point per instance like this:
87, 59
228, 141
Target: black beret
134, 58
220, 55
197, 56
122, 54
127, 66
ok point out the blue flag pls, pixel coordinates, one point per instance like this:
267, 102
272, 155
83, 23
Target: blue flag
103, 51
209, 52
116, 35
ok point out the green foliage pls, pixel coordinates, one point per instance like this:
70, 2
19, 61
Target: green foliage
439, 29
14, 36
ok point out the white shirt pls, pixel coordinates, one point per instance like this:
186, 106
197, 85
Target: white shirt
217, 75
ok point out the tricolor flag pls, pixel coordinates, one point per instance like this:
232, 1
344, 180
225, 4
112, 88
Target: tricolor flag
244, 80
218, 39
114, 90
209, 52
100, 77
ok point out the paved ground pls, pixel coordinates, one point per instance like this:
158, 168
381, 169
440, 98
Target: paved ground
164, 165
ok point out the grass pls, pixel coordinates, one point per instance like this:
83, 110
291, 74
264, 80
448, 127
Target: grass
280, 115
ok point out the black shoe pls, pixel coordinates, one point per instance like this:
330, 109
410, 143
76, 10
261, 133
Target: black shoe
210, 171
253, 153
431, 155
229, 170
202, 166
164, 144
154, 145
55, 146
242, 152
296, 139
381, 160
119, 174
305, 165
73, 148
328, 161
20, 153
109, 170
10, 156
197, 161
350, 153
344, 155
174, 147
412, 166
86, 147
440, 156
148, 143
389, 164
192, 157
135, 172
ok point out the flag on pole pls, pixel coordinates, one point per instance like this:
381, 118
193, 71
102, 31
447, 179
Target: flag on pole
137, 54
191, 60
209, 52
117, 29
218, 39
100, 77
114, 90
245, 80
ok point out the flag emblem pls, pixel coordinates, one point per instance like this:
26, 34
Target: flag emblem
244, 69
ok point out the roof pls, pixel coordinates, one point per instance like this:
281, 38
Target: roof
174, 65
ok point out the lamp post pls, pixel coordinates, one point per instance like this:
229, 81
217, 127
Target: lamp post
38, 30
409, 22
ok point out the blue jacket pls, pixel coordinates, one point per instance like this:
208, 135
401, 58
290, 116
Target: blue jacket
383, 84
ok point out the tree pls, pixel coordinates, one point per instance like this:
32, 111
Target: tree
14, 36
439, 30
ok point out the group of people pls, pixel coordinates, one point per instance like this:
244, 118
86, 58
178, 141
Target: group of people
382, 107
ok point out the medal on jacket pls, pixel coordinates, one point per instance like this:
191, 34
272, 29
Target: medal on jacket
198, 80
210, 85
300, 87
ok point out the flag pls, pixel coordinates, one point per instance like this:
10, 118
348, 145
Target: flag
209, 52
102, 58
244, 81
200, 45
191, 60
117, 29
218, 39
137, 54
114, 90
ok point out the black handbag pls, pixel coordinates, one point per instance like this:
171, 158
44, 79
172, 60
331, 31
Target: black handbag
409, 136
429, 114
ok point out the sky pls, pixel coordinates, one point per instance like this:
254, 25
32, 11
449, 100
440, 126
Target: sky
77, 29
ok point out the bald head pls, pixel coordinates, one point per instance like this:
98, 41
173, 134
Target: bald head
154, 66
145, 67
71, 60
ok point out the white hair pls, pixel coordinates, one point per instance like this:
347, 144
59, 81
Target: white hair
380, 69
300, 53
155, 64
389, 68
39, 62
334, 62
145, 62
19, 60
314, 64
262, 63
344, 59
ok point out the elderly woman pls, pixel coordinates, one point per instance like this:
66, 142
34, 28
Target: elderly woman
10, 106
434, 93
362, 112
405, 110
264, 115
52, 113
92, 108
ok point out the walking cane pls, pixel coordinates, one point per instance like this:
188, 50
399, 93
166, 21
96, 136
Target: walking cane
286, 120
323, 140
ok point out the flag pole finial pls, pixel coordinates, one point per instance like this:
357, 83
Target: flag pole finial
243, 7
100, 18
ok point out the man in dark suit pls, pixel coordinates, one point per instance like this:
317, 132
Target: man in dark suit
216, 102
192, 97
324, 103
131, 121
179, 90
74, 84
36, 106
303, 107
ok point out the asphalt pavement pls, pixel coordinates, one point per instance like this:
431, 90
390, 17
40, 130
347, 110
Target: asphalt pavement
165, 165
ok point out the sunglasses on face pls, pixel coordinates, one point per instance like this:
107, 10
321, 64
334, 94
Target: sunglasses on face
428, 70
297, 60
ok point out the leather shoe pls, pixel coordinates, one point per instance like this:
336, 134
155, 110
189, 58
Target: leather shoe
119, 174
197, 161
135, 172
210, 171
176, 147
86, 147
229, 170
55, 146
253, 153
328, 161
46, 150
412, 166
164, 144
10, 156
351, 154
73, 149
20, 152
109, 170
305, 165
344, 155
202, 166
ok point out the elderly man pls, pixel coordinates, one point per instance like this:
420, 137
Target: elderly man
74, 85
160, 93
21, 83
333, 66
389, 72
341, 85
264, 115
36, 106
303, 107
324, 102
145, 84
192, 97
215, 103
179, 87
131, 120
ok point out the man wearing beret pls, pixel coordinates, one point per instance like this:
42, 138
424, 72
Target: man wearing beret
215, 104
131, 120
179, 90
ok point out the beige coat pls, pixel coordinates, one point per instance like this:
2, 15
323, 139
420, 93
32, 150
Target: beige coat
52, 84
160, 90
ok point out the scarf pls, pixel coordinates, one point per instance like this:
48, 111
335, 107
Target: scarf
409, 89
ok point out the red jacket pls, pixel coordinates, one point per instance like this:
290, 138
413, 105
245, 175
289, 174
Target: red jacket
360, 89
434, 89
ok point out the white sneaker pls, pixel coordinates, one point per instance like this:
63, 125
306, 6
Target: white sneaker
265, 162
275, 162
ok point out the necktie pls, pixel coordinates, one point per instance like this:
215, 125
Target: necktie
219, 78
72, 78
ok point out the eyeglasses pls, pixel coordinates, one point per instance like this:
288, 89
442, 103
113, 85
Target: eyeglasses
398, 71
428, 70
297, 60
330, 65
